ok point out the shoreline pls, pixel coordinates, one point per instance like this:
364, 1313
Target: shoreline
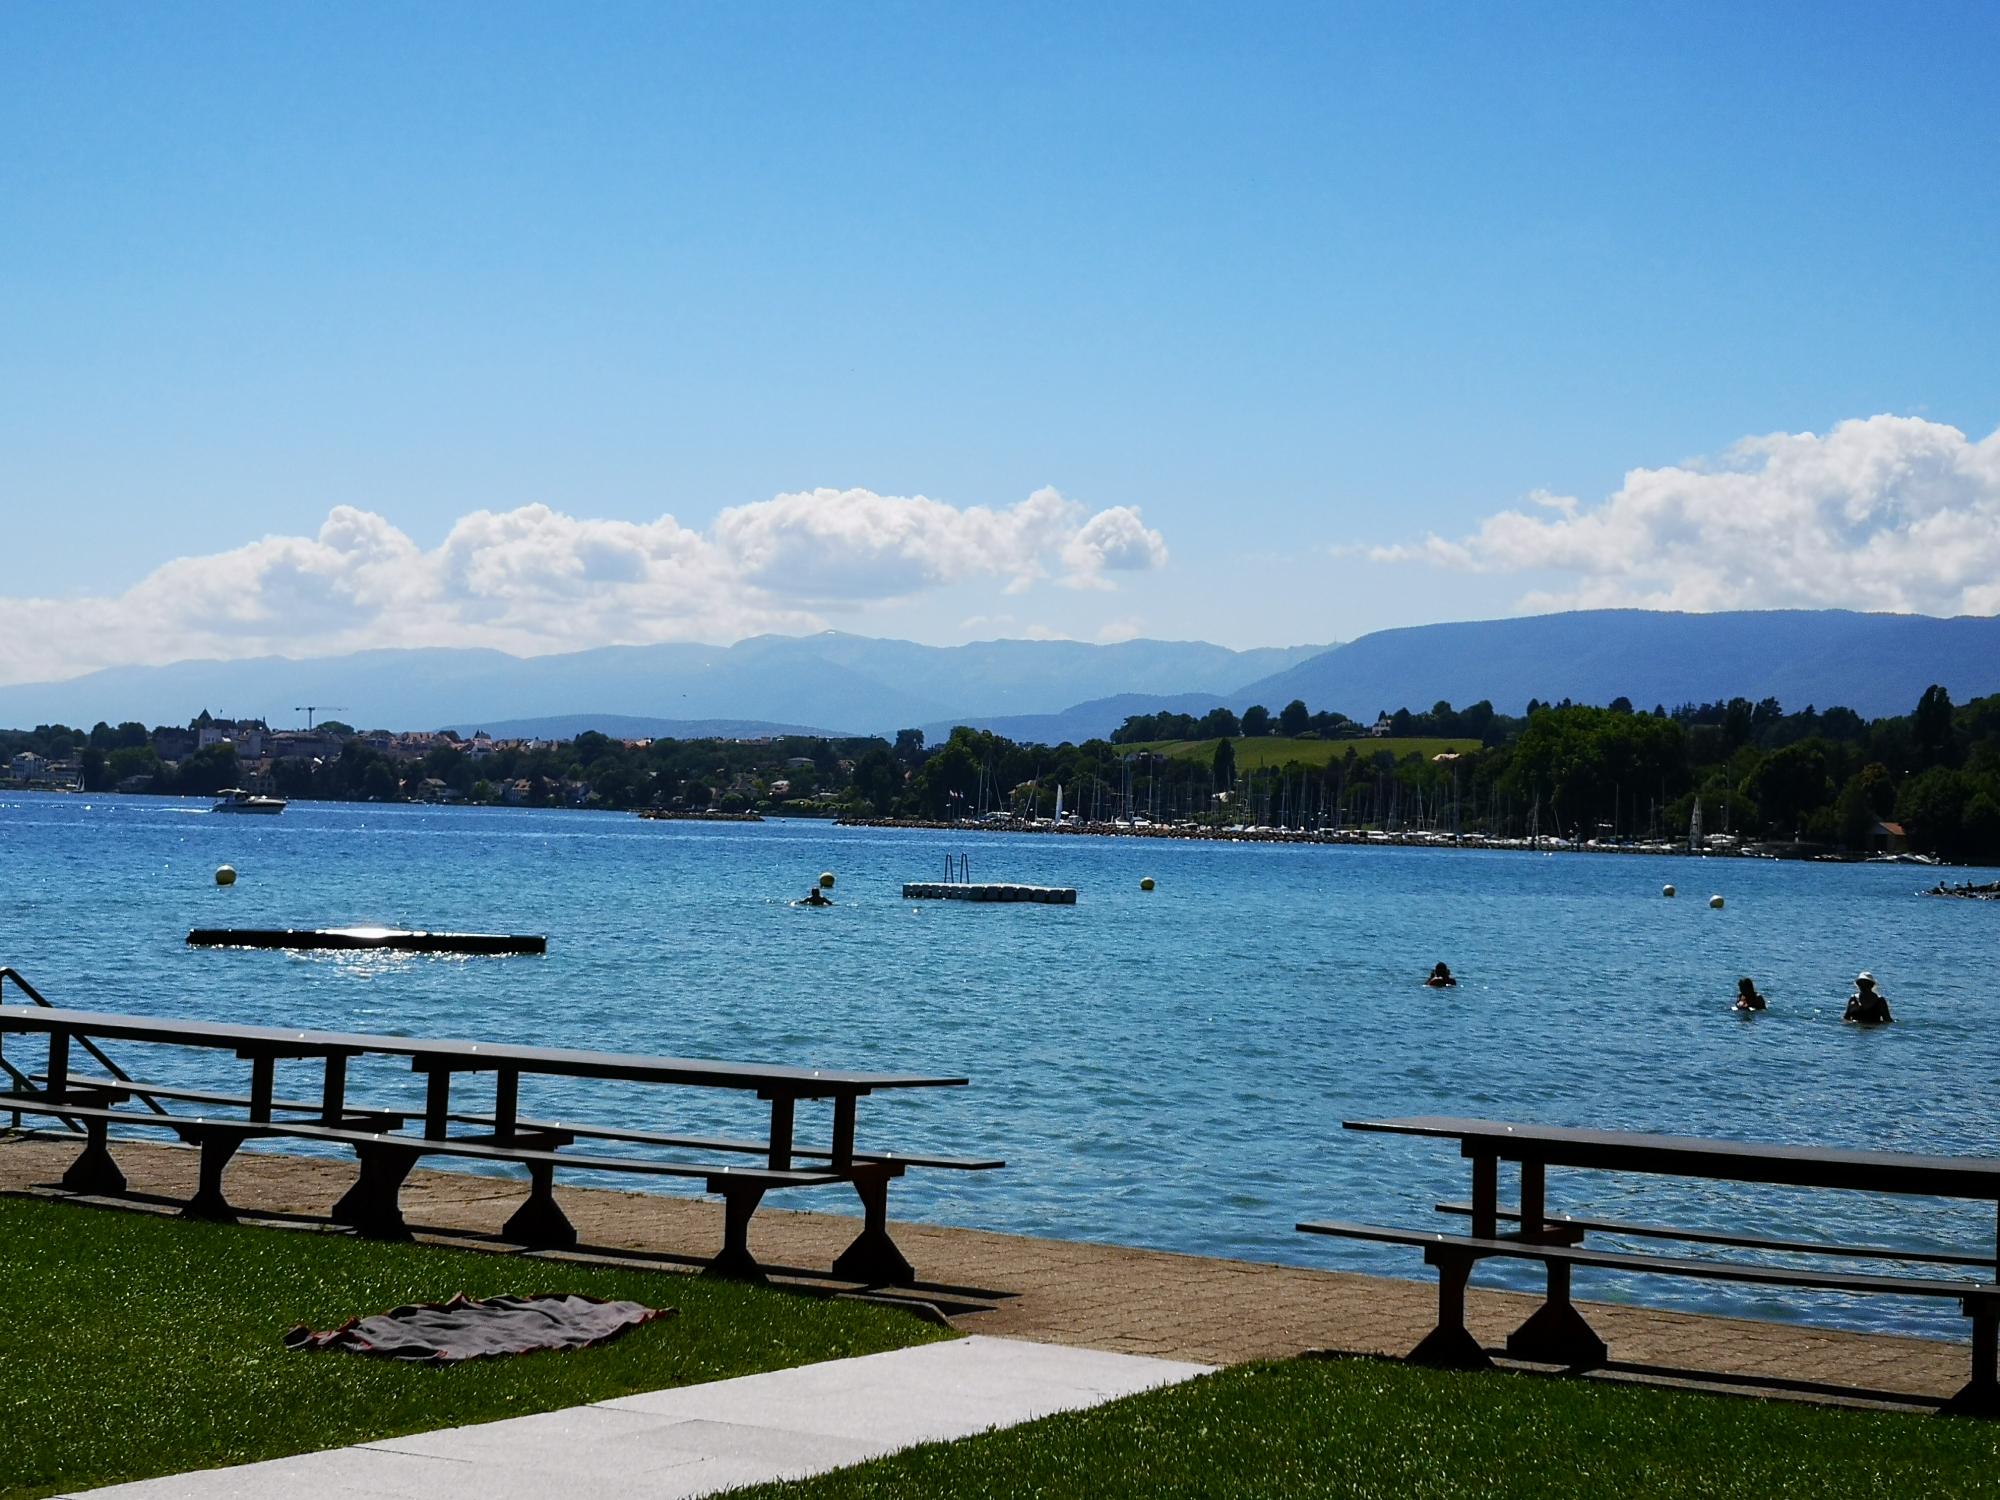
1402, 839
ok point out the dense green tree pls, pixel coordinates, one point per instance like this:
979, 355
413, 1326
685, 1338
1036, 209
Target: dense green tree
1256, 721
1931, 729
1295, 718
1932, 805
1790, 785
1224, 765
1217, 723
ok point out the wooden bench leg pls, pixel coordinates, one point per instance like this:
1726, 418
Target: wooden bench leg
1980, 1396
873, 1257
1450, 1346
739, 1202
218, 1145
1556, 1333
540, 1223
371, 1206
93, 1172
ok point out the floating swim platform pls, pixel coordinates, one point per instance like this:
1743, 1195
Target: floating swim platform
962, 890
393, 939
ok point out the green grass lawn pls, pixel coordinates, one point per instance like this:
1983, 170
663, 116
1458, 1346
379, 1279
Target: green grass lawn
1277, 750
133, 1345
1377, 1429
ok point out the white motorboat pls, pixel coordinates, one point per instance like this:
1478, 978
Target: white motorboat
235, 800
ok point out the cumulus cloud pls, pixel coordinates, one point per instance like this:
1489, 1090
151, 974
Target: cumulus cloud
1112, 541
1888, 513
536, 580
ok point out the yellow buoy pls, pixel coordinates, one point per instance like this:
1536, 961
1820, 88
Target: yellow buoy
1716, 902
225, 875
826, 880
1668, 891
1145, 882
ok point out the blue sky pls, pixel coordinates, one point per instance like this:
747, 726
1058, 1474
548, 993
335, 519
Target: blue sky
1318, 292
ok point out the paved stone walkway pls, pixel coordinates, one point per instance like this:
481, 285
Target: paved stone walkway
699, 1439
1147, 1302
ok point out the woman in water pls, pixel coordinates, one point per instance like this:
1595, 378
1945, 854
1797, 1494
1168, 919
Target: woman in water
1441, 978
1867, 1006
1747, 997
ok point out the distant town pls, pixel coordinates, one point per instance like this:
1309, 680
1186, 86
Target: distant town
1731, 774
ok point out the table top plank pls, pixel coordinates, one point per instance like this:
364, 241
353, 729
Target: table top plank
1696, 1156
462, 1056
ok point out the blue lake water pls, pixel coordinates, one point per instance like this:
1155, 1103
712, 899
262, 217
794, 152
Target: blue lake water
1166, 1069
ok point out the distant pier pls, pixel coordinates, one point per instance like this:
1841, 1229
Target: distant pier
965, 890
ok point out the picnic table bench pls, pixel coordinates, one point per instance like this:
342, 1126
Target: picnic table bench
1557, 1333
95, 1103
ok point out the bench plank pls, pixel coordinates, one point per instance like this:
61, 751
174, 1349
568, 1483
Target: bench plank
1556, 1333
1658, 1265
1738, 1241
1693, 1156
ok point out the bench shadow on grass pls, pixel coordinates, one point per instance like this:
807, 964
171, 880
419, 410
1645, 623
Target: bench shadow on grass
936, 1302
1676, 1377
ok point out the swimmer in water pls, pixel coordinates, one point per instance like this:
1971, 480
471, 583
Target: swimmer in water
1747, 997
815, 898
1441, 978
1867, 1006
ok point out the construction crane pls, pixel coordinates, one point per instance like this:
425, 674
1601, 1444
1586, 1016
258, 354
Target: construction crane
309, 709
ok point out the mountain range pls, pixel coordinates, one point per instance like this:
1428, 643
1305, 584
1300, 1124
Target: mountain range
1061, 690
830, 682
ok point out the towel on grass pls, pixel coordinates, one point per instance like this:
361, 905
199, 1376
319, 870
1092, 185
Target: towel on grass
464, 1328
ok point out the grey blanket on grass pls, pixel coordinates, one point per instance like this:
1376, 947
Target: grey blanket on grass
464, 1328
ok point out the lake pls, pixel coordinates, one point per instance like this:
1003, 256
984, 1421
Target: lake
1166, 1069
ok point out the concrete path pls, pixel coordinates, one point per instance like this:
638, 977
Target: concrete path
699, 1439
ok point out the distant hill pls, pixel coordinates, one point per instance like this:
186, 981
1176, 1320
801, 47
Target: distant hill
1873, 664
1052, 691
842, 681
628, 727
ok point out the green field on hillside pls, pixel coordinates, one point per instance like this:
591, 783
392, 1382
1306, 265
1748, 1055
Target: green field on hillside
1277, 750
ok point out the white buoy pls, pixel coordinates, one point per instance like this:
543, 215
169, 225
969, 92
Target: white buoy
225, 875
1715, 902
1669, 892
1145, 882
826, 880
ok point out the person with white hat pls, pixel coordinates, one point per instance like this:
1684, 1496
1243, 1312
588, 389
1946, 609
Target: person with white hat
1866, 1006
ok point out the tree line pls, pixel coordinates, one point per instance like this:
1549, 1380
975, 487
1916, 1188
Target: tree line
1614, 773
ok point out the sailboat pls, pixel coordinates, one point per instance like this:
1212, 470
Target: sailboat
1694, 829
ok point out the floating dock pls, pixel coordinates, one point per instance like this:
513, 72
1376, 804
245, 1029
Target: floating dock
965, 890
390, 938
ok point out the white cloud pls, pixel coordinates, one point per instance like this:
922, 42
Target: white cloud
536, 580
1113, 540
1888, 513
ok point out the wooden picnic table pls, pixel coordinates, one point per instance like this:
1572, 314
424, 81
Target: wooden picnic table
440, 1061
387, 1155
1536, 1148
1557, 1332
